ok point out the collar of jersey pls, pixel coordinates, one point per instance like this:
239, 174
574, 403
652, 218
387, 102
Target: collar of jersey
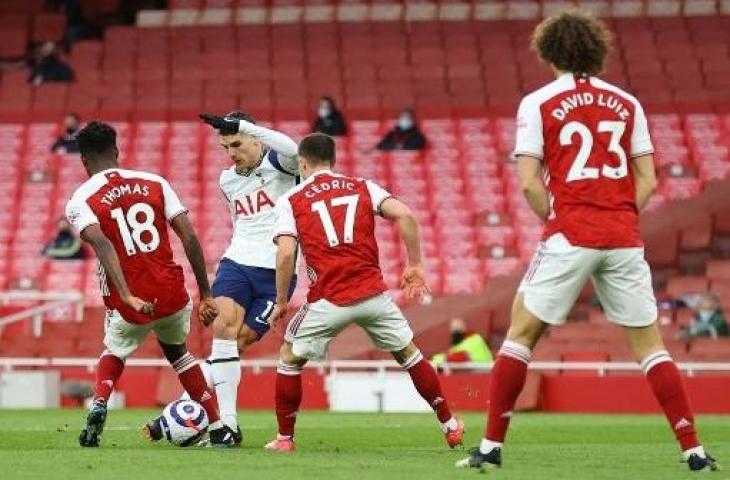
261, 160
321, 172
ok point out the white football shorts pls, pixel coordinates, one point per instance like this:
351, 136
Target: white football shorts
315, 325
559, 271
122, 338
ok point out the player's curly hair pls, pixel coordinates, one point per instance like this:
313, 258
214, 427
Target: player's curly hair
96, 137
573, 41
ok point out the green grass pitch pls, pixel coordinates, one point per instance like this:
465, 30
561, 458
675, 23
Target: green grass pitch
43, 445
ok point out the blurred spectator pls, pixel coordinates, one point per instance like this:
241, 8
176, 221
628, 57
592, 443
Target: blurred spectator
405, 135
466, 346
66, 143
48, 67
329, 119
65, 245
708, 320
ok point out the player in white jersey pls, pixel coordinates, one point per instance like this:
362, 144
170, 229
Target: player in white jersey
264, 168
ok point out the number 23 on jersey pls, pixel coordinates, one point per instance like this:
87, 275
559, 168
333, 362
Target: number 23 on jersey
578, 169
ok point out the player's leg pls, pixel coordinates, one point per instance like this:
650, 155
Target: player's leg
224, 357
307, 337
233, 294
427, 384
121, 339
288, 398
548, 291
624, 288
386, 326
172, 333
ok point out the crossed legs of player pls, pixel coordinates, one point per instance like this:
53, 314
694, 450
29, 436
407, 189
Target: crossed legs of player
316, 325
547, 293
121, 340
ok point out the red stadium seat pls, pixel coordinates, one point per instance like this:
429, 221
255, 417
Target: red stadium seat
678, 286
49, 27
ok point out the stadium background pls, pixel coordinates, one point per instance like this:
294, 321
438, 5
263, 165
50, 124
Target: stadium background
463, 66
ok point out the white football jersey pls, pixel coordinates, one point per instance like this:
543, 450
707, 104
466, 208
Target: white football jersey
251, 201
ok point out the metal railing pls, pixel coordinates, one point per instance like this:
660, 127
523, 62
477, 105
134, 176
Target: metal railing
54, 300
379, 366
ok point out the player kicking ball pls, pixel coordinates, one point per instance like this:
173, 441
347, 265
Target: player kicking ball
592, 140
264, 168
332, 218
123, 215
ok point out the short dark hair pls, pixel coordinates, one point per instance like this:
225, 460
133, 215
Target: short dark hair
96, 137
318, 149
239, 115
573, 42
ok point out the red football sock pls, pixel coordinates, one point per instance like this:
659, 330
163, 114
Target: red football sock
666, 382
427, 384
193, 381
108, 370
288, 397
506, 382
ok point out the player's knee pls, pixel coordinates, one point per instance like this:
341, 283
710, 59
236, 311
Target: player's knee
173, 352
246, 336
525, 328
286, 355
402, 356
225, 325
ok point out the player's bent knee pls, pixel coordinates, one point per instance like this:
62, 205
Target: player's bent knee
173, 352
402, 356
246, 336
525, 327
227, 324
287, 356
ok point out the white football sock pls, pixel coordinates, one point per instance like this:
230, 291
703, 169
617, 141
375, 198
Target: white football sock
450, 424
699, 450
487, 446
225, 368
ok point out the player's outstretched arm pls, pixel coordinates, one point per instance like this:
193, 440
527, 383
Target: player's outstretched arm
644, 179
185, 231
286, 255
529, 170
414, 279
110, 261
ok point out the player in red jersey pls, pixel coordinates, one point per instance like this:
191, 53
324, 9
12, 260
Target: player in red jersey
122, 214
332, 217
591, 139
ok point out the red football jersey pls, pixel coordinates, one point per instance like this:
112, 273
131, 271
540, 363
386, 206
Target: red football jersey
586, 132
133, 208
333, 217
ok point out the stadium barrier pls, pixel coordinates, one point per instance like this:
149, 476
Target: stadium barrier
54, 301
585, 387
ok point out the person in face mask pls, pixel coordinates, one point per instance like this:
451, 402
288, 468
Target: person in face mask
329, 119
405, 135
65, 245
66, 143
466, 346
708, 321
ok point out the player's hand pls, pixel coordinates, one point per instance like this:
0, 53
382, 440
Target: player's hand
224, 125
207, 311
278, 313
139, 305
413, 282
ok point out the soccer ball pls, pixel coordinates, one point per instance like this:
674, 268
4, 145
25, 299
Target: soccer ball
184, 422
